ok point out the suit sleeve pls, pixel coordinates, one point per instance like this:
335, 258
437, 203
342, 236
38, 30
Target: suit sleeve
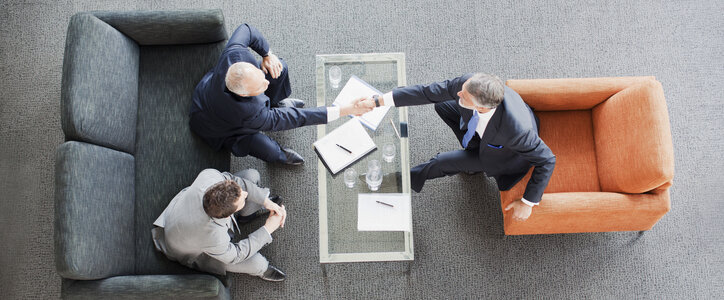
430, 93
529, 145
285, 118
248, 36
233, 253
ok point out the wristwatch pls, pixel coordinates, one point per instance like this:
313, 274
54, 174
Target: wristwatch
268, 53
377, 100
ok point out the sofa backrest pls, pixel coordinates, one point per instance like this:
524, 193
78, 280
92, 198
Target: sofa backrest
99, 91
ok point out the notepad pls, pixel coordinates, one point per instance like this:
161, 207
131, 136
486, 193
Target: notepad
355, 88
350, 136
384, 212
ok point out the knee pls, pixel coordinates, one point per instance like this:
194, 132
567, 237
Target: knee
251, 175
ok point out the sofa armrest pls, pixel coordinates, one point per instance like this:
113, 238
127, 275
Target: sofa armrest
168, 27
591, 212
94, 212
570, 93
147, 287
631, 131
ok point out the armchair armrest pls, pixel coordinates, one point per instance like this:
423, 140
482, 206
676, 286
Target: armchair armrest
168, 27
631, 131
147, 287
570, 93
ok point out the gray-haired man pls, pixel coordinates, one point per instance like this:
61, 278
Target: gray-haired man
497, 130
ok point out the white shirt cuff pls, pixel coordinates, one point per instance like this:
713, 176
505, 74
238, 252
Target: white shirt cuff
531, 204
388, 99
332, 113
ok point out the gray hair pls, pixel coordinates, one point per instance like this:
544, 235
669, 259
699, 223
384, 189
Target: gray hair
487, 90
235, 75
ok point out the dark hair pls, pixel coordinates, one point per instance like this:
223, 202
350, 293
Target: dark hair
219, 199
487, 90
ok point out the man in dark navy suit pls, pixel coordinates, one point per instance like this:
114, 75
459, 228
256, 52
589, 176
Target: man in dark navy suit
497, 130
240, 97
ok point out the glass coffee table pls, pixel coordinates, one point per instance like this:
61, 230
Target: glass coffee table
339, 239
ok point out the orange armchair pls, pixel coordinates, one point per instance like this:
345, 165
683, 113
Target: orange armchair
614, 155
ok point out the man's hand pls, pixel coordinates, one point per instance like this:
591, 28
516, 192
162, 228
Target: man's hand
273, 221
271, 65
357, 107
521, 211
273, 207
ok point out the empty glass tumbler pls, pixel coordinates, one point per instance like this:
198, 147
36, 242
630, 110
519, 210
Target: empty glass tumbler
335, 76
388, 152
374, 175
350, 177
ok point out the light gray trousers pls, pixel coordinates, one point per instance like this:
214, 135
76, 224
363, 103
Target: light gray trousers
257, 263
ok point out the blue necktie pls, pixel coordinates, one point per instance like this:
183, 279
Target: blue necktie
472, 125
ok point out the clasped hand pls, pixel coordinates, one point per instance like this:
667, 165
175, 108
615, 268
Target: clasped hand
357, 107
271, 64
277, 215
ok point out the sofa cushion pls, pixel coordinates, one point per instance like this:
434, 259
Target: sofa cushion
168, 156
633, 140
100, 84
94, 211
569, 134
168, 27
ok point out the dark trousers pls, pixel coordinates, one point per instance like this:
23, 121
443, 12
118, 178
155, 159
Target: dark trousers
451, 162
258, 144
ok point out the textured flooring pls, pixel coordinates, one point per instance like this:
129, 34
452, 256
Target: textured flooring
458, 247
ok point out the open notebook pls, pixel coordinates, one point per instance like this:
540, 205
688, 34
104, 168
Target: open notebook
350, 136
355, 88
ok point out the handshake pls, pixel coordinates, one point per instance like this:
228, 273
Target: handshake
358, 106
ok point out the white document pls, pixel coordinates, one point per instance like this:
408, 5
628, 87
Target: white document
374, 212
353, 137
355, 88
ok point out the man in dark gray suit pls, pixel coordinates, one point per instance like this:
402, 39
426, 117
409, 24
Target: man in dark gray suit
241, 97
497, 130
194, 228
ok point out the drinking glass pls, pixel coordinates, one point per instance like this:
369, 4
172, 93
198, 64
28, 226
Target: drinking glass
374, 175
335, 76
350, 177
388, 152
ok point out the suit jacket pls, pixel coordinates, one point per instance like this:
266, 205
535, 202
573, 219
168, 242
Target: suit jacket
186, 234
510, 144
218, 114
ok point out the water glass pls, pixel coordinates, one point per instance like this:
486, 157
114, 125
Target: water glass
350, 177
388, 152
335, 76
374, 175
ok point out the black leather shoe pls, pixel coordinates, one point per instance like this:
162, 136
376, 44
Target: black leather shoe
293, 158
273, 274
291, 102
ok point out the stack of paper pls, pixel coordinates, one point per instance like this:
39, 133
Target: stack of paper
344, 145
356, 88
384, 212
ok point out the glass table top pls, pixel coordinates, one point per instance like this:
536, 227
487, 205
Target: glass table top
339, 239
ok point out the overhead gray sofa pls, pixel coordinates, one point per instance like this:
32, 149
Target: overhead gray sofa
128, 79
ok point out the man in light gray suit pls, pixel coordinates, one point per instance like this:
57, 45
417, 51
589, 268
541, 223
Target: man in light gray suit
194, 228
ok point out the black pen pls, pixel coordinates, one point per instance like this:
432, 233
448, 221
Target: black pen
343, 148
390, 205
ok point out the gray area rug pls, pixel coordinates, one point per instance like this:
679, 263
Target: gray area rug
458, 246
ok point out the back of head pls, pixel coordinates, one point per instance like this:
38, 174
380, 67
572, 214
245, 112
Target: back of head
235, 76
487, 90
220, 199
